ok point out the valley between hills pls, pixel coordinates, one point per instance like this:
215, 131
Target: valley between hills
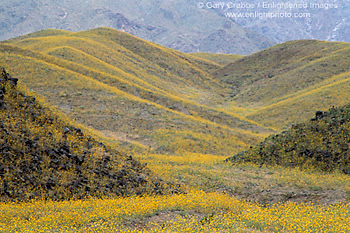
121, 134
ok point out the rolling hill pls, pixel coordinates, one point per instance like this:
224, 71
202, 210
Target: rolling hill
152, 98
287, 83
132, 90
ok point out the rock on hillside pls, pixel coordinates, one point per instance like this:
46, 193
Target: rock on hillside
323, 142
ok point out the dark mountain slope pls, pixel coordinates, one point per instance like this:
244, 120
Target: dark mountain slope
43, 155
321, 20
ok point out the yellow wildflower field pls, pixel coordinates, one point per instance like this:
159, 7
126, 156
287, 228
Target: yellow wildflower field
195, 210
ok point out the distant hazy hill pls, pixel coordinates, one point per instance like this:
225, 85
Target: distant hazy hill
319, 20
42, 155
322, 142
176, 24
181, 25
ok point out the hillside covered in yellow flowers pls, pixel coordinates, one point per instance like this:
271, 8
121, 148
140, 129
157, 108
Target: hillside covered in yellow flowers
105, 132
152, 98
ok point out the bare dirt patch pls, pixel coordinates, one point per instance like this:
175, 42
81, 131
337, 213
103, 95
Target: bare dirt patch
283, 194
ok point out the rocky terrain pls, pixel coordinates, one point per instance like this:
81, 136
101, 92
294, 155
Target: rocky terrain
44, 156
322, 143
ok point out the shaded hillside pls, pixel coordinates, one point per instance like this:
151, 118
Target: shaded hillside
288, 82
130, 89
323, 142
45, 156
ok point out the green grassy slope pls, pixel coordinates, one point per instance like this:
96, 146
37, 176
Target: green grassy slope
322, 142
221, 59
288, 82
131, 89
43, 155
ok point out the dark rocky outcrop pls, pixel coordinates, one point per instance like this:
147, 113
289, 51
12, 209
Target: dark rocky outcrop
43, 156
322, 143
